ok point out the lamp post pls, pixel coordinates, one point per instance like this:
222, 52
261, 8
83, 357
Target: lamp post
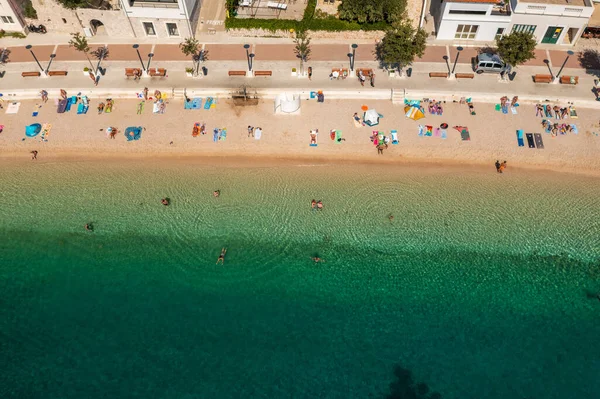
28, 47
52, 56
354, 46
136, 47
458, 49
250, 58
547, 62
150, 55
569, 53
447, 63
247, 46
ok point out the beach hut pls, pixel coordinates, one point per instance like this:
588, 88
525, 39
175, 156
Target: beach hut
413, 112
371, 117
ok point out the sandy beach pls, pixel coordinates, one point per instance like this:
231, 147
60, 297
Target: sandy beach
168, 135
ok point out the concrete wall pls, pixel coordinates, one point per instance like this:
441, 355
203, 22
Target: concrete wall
10, 9
115, 22
488, 24
160, 27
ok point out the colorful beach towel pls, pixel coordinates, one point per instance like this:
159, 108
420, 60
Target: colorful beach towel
498, 107
62, 106
208, 103
316, 137
421, 130
82, 109
464, 132
196, 129
215, 135
505, 109
46, 128
573, 112
36, 109
197, 103
223, 134
520, 141
394, 136
530, 141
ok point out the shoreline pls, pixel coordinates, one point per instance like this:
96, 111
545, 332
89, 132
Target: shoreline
237, 160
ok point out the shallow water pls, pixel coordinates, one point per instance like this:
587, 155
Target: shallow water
480, 287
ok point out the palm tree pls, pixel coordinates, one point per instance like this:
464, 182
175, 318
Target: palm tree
80, 43
191, 47
302, 48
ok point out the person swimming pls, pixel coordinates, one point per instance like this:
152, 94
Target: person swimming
165, 201
89, 226
316, 259
391, 218
313, 204
320, 205
222, 256
216, 193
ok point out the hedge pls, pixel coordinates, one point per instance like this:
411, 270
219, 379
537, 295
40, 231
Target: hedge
330, 24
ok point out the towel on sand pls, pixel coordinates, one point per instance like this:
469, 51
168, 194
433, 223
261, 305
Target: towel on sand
464, 132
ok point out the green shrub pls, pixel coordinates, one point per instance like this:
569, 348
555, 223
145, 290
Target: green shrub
330, 24
29, 11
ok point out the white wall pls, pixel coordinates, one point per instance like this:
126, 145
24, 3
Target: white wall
7, 11
160, 27
488, 24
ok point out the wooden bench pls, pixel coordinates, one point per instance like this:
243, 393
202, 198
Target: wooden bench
438, 74
129, 72
237, 73
57, 73
263, 73
365, 71
542, 78
28, 74
464, 75
566, 80
160, 72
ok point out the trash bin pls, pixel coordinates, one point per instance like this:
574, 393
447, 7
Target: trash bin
204, 70
409, 72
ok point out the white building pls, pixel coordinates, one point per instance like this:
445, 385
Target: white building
162, 18
476, 20
10, 17
551, 21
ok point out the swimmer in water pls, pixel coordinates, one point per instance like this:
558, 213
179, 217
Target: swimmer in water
165, 201
216, 193
320, 205
313, 204
89, 226
316, 259
391, 218
222, 256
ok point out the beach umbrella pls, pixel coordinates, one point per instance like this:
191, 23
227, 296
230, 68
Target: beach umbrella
371, 117
413, 112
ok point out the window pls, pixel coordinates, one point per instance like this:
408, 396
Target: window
499, 33
541, 8
471, 12
149, 28
524, 28
7, 20
466, 32
172, 29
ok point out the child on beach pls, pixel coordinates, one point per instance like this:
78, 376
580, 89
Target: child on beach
250, 131
44, 95
100, 108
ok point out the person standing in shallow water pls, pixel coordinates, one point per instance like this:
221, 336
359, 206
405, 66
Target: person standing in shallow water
498, 166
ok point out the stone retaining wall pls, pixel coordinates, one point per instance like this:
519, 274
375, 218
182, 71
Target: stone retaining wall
343, 35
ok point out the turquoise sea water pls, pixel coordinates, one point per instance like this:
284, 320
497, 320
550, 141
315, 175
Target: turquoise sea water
482, 287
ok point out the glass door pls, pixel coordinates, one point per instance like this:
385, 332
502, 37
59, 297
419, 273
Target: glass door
552, 34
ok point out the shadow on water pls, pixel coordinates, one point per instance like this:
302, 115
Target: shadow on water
404, 387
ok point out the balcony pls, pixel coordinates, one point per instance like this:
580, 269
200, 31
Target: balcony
501, 10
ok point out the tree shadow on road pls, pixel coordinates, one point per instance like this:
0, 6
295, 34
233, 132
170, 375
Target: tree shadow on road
404, 387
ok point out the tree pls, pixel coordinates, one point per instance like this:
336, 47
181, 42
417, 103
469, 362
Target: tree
80, 43
372, 11
302, 48
400, 45
516, 48
191, 47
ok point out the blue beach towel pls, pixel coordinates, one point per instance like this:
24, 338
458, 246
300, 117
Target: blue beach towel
421, 130
513, 110
187, 104
208, 103
520, 138
505, 109
82, 109
197, 103
574, 127
394, 134
444, 134
70, 101
215, 133
223, 134
133, 133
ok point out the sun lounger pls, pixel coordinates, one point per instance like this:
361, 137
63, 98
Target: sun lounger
539, 143
530, 141
520, 138
394, 136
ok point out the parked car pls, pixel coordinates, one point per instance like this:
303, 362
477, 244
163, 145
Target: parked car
488, 62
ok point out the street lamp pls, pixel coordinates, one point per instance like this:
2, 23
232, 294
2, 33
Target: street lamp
251, 56
458, 49
136, 47
150, 55
569, 53
447, 63
354, 46
247, 46
547, 62
52, 56
28, 47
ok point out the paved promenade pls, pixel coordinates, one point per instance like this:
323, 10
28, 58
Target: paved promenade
280, 59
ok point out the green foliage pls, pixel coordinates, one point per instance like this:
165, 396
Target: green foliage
516, 48
100, 53
29, 11
190, 46
330, 24
79, 42
16, 35
401, 44
309, 10
232, 6
372, 11
73, 4
302, 46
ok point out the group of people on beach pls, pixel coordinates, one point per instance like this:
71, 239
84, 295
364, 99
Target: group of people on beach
362, 78
546, 111
435, 108
500, 166
555, 129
